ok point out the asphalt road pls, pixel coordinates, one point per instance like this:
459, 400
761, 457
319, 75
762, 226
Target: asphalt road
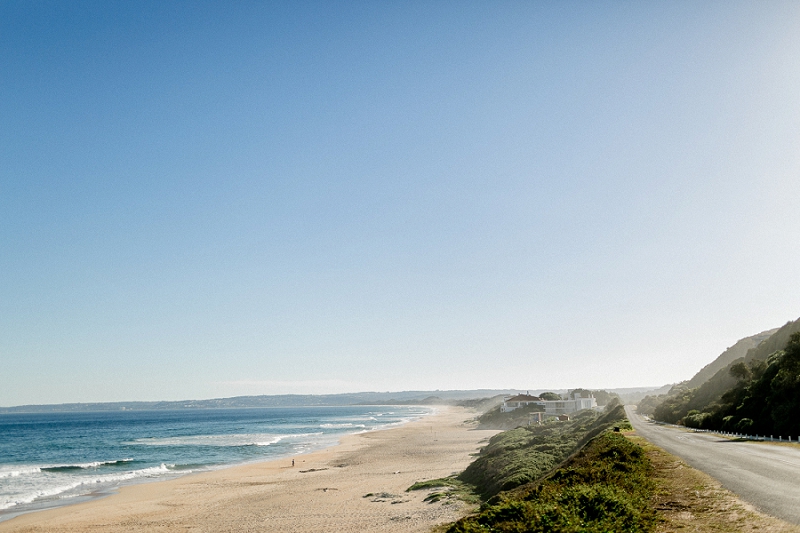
764, 475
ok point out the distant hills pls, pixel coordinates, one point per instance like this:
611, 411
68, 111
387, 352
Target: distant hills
280, 400
737, 351
291, 400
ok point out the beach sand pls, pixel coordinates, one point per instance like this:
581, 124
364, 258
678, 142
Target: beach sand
324, 492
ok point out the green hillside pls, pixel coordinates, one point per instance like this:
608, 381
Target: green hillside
715, 395
765, 399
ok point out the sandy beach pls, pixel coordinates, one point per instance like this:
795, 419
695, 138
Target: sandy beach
325, 491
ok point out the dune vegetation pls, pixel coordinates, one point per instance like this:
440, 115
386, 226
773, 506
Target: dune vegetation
576, 475
525, 454
605, 487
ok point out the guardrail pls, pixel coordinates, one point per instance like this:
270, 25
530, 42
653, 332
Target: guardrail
762, 438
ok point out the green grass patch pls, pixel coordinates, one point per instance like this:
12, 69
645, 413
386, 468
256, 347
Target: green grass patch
434, 484
625, 425
455, 489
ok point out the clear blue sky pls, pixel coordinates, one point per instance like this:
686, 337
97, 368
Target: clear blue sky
214, 199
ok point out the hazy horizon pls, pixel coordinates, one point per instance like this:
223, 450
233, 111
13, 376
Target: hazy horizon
217, 200
404, 395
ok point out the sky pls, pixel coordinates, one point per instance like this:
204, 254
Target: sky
212, 199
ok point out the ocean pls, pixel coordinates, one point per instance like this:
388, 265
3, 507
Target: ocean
51, 459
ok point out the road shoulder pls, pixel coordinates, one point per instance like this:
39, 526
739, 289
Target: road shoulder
690, 500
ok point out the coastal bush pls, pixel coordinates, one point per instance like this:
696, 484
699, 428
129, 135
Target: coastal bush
606, 487
745, 425
697, 420
550, 396
525, 454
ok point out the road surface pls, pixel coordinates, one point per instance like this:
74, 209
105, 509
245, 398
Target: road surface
766, 476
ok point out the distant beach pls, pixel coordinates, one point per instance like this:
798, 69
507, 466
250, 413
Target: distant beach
358, 485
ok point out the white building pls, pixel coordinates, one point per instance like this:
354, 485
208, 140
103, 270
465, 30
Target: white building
574, 401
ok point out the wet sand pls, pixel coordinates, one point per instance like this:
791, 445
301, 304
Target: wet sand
325, 491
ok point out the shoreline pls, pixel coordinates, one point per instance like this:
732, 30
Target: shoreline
327, 489
314, 445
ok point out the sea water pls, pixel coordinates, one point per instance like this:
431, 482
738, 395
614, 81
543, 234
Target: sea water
50, 459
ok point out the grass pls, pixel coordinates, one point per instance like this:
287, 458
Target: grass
433, 484
453, 487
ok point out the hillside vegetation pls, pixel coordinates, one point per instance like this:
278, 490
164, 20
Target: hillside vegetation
525, 454
602, 484
752, 394
765, 401
605, 487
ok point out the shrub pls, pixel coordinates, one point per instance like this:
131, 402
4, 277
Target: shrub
744, 425
697, 420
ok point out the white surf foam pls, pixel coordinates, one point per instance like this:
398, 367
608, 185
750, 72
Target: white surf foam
15, 471
55, 486
247, 439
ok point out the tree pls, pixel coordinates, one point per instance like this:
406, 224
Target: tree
550, 396
604, 397
648, 404
741, 371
